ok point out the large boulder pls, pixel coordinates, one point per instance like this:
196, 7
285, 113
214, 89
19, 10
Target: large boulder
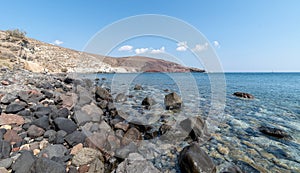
172, 101
243, 95
193, 159
102, 94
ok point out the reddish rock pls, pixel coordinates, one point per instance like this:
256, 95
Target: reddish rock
83, 169
12, 137
10, 119
35, 131
76, 149
132, 135
68, 100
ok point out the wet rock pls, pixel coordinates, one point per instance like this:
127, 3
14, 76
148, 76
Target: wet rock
86, 156
150, 134
197, 128
136, 163
132, 135
12, 137
275, 132
172, 101
65, 124
24, 162
75, 138
102, 94
231, 169
243, 95
42, 165
5, 149
138, 87
193, 159
14, 108
148, 101
51, 151
164, 128
35, 131
6, 163
246, 167
42, 122
121, 97
10, 119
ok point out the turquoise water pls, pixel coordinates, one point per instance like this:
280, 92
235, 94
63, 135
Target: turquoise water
276, 104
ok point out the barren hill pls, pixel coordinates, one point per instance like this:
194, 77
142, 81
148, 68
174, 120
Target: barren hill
18, 51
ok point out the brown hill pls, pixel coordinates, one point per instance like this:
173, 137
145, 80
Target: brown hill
18, 51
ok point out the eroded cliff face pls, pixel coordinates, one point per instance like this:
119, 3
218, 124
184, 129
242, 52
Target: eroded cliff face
36, 56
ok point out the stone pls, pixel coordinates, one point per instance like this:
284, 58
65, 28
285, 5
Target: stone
32, 96
12, 137
124, 151
64, 112
136, 163
98, 141
275, 132
197, 129
42, 165
76, 149
121, 98
8, 98
122, 125
86, 156
65, 124
47, 94
223, 150
68, 80
164, 128
148, 101
132, 135
83, 169
42, 122
11, 119
193, 159
35, 131
5, 149
231, 168
75, 138
42, 111
14, 108
3, 170
5, 82
102, 94
25, 113
172, 101
6, 163
96, 166
138, 87
24, 162
51, 135
88, 113
68, 100
243, 95
51, 151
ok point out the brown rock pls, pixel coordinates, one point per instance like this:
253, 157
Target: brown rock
35, 131
4, 82
132, 135
122, 125
12, 137
76, 149
172, 101
9, 119
83, 169
68, 100
243, 95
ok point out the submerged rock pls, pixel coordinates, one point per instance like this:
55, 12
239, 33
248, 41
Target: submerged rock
172, 101
148, 101
193, 159
121, 97
243, 95
275, 132
138, 87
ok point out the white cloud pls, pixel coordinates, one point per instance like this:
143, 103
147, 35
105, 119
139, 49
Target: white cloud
200, 47
58, 42
157, 51
182, 46
141, 50
216, 44
125, 48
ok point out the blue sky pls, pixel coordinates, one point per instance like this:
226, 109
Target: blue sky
257, 35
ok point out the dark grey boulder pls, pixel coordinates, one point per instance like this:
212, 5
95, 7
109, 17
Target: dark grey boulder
5, 149
75, 138
65, 124
275, 132
45, 165
243, 95
14, 108
148, 101
24, 162
193, 159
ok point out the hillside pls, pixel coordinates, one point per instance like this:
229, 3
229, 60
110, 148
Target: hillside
18, 51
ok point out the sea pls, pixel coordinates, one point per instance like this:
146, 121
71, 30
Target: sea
234, 122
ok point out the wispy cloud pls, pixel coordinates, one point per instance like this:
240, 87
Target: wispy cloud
58, 42
182, 46
157, 51
200, 47
126, 48
141, 50
216, 44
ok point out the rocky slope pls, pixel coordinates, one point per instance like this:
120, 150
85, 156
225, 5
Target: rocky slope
19, 51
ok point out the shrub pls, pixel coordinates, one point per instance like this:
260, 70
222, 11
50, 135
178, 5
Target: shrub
16, 33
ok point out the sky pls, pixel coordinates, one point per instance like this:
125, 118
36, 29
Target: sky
247, 36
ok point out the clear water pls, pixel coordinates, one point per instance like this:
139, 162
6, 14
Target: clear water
276, 104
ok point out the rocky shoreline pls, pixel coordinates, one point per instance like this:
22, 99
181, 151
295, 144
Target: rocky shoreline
56, 123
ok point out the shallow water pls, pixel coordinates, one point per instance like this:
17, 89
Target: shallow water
276, 104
